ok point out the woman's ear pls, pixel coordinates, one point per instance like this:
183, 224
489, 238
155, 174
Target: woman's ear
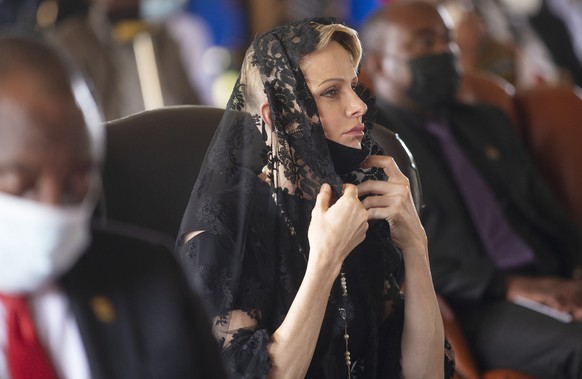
266, 114
267, 122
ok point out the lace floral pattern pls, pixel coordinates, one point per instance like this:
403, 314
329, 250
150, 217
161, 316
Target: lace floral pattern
246, 264
299, 148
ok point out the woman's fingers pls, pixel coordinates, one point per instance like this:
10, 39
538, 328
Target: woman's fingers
392, 201
349, 206
376, 187
383, 207
387, 163
350, 190
323, 198
397, 183
335, 230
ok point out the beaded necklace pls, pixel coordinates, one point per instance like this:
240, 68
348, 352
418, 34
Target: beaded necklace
343, 315
343, 284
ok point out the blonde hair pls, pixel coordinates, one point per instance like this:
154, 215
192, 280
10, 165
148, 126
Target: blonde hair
250, 79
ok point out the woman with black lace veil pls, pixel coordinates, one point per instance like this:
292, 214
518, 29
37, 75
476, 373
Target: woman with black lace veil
299, 232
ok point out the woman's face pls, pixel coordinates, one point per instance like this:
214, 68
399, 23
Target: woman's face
331, 78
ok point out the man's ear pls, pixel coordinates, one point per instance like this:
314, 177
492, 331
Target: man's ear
372, 65
266, 114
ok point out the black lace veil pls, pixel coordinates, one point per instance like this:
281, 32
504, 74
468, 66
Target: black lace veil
298, 160
225, 200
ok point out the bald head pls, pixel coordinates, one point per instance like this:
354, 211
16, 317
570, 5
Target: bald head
34, 77
43, 137
396, 35
38, 62
379, 27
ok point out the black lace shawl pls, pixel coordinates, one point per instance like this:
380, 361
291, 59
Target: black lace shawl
249, 261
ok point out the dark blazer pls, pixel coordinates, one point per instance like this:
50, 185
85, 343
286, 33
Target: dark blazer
136, 314
461, 269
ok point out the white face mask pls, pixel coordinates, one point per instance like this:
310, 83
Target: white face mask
159, 10
522, 7
39, 242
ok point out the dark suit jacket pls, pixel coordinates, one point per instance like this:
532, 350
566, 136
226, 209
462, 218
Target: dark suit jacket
136, 314
461, 269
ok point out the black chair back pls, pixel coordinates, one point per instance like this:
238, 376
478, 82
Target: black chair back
396, 148
153, 159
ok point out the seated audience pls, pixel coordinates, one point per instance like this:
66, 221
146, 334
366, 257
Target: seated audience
132, 64
498, 239
77, 301
503, 37
479, 51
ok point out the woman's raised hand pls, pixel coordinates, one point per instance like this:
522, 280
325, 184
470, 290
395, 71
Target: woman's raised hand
393, 203
337, 229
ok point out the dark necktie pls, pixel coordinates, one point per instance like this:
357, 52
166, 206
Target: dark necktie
504, 246
26, 357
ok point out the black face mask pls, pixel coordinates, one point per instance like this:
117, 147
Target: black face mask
345, 159
435, 79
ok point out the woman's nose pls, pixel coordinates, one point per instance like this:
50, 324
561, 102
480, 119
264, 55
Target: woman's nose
357, 107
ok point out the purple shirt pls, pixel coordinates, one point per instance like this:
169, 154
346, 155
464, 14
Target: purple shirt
505, 247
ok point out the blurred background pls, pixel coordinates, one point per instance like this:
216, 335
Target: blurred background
142, 54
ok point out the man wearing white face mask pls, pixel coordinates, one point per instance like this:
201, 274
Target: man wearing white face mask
78, 302
132, 57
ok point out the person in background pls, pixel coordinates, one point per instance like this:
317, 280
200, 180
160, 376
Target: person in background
556, 33
497, 237
131, 59
194, 38
522, 25
480, 52
79, 301
570, 12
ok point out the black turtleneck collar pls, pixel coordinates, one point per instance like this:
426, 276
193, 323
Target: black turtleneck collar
346, 159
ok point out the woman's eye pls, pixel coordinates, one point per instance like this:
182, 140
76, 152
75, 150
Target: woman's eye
332, 92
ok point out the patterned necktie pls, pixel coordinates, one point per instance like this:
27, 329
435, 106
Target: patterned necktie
26, 357
504, 246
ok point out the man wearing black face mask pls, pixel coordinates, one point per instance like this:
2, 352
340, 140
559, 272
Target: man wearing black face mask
496, 234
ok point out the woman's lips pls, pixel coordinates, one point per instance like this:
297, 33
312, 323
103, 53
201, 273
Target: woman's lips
356, 131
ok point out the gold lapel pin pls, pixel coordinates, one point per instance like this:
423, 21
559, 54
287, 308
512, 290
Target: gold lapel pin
103, 309
492, 153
